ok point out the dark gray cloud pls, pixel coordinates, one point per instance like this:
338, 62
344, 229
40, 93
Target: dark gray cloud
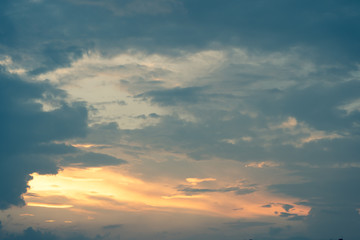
36, 234
318, 105
28, 234
28, 134
287, 207
275, 230
151, 115
244, 224
57, 54
112, 226
280, 24
328, 30
44, 35
91, 159
333, 197
200, 140
154, 115
236, 190
291, 216
7, 32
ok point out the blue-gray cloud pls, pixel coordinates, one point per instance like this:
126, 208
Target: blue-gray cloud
319, 104
44, 35
36, 234
28, 134
328, 30
175, 96
333, 197
287, 207
236, 190
91, 159
28, 234
245, 224
112, 226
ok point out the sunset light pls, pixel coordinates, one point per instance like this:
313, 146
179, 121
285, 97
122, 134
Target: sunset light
179, 120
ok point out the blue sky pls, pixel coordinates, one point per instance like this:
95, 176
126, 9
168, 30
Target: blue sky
179, 119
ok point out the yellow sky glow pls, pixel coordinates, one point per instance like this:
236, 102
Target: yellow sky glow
112, 188
46, 205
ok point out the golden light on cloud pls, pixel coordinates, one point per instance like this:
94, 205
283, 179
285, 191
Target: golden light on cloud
183, 196
320, 136
88, 145
112, 188
290, 123
46, 205
262, 164
195, 181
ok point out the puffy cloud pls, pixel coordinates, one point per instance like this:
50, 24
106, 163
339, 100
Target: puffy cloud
289, 101
269, 26
29, 133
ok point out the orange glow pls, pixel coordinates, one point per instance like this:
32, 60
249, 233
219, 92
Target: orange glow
26, 214
195, 181
86, 145
111, 188
46, 205
183, 196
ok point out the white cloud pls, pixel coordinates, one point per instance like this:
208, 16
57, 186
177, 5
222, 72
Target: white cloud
262, 164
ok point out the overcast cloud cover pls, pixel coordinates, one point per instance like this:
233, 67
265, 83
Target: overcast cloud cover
220, 100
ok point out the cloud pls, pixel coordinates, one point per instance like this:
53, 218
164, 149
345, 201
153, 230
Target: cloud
292, 216
275, 230
7, 29
244, 224
112, 226
36, 234
175, 96
289, 101
126, 8
151, 115
266, 206
28, 133
29, 234
256, 25
195, 181
91, 159
318, 105
333, 200
236, 190
287, 207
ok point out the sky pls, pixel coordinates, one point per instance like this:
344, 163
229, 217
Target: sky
179, 119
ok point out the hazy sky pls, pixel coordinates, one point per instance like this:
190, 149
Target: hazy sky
179, 119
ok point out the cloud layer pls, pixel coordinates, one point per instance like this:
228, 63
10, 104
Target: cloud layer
261, 96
